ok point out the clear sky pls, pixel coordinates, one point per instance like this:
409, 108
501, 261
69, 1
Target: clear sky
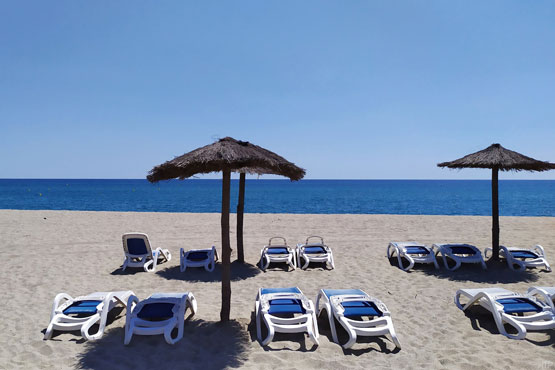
345, 89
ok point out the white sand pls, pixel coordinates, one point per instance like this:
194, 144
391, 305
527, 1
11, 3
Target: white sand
47, 252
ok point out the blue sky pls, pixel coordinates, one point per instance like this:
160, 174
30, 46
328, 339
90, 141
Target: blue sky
345, 89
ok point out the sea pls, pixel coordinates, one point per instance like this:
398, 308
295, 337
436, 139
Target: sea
407, 197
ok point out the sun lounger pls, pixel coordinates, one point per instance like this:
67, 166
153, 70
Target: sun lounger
277, 253
412, 252
314, 252
198, 258
460, 253
349, 307
80, 313
285, 310
520, 258
505, 305
158, 314
547, 294
138, 252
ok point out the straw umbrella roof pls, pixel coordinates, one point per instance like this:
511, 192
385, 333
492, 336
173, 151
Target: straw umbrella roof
230, 154
495, 156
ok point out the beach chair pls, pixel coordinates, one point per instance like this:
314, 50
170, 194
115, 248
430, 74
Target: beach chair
349, 307
412, 252
519, 259
277, 253
522, 312
460, 253
285, 310
158, 314
80, 313
547, 294
138, 252
314, 252
206, 258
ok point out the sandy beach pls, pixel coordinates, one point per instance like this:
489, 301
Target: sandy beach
48, 252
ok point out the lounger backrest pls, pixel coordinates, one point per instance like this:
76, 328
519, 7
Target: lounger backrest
136, 244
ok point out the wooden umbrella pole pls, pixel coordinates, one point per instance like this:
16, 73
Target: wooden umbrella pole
226, 248
240, 211
495, 212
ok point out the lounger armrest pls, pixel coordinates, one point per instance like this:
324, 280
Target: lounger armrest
538, 249
57, 300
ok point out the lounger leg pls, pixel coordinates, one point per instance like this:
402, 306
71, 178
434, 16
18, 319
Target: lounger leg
392, 333
125, 263
352, 334
129, 322
50, 328
90, 322
258, 325
271, 331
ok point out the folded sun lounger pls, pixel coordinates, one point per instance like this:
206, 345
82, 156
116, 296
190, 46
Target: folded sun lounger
198, 258
520, 258
412, 252
547, 294
80, 313
523, 312
349, 307
460, 253
138, 252
285, 310
158, 314
314, 252
277, 253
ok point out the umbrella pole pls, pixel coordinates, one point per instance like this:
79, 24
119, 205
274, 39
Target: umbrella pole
226, 248
495, 212
240, 211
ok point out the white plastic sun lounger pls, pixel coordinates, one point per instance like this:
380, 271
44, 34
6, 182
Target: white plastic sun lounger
80, 313
547, 294
505, 305
158, 314
412, 252
198, 258
277, 253
314, 252
460, 253
520, 258
285, 310
349, 306
138, 252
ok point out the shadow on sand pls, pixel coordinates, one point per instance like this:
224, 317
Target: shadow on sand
205, 345
496, 273
239, 271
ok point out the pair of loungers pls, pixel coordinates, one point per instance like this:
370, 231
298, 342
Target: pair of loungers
288, 310
531, 311
139, 253
517, 258
313, 250
160, 313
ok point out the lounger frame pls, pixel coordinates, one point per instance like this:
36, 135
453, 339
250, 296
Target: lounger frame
547, 294
147, 261
377, 327
209, 263
326, 257
446, 252
267, 258
62, 322
400, 250
487, 297
521, 265
299, 324
136, 325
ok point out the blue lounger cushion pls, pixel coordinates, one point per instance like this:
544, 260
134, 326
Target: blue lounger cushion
518, 305
82, 307
197, 256
459, 249
414, 249
277, 250
360, 308
162, 310
523, 254
136, 246
311, 250
286, 306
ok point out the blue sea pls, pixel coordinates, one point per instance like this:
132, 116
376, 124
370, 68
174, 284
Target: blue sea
412, 197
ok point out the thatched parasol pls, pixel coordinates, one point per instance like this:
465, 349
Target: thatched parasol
227, 155
498, 158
